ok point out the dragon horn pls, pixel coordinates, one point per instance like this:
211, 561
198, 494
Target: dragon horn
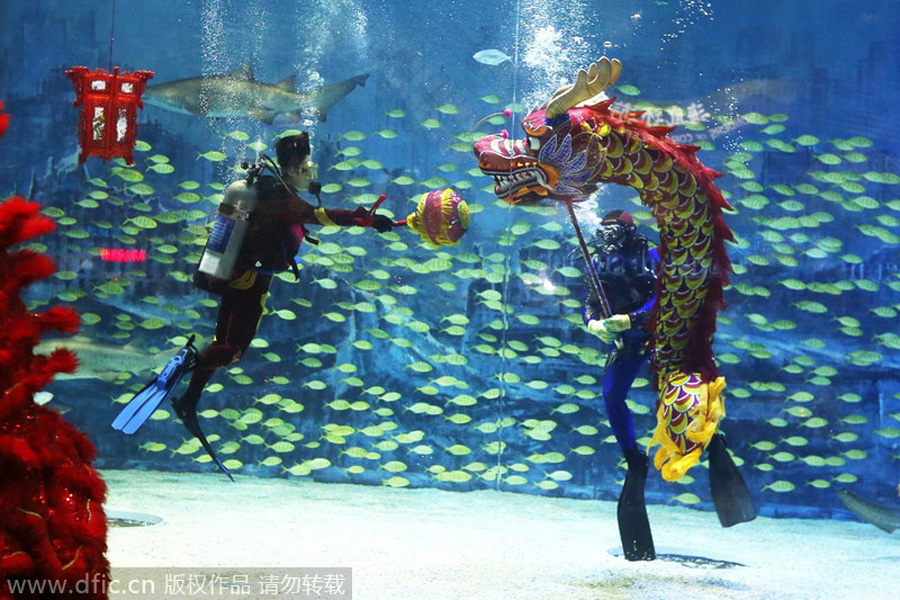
600, 75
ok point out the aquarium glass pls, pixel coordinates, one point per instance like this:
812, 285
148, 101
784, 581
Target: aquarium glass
468, 367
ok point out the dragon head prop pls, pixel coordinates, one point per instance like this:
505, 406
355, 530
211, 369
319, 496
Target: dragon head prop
575, 142
563, 154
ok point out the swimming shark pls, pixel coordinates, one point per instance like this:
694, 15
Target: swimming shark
238, 94
103, 361
885, 518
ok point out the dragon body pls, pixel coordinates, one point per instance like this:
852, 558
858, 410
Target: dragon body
566, 155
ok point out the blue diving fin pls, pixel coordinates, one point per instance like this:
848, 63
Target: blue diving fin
145, 402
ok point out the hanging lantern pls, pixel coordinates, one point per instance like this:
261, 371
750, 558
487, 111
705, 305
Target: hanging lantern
109, 105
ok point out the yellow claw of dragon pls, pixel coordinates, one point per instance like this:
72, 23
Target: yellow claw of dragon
688, 416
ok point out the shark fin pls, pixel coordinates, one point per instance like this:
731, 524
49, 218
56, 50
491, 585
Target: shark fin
288, 84
324, 98
266, 116
245, 72
885, 518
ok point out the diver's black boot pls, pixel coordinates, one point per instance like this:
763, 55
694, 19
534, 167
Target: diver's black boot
729, 491
186, 409
634, 526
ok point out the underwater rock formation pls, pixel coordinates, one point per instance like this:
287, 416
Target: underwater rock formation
52, 525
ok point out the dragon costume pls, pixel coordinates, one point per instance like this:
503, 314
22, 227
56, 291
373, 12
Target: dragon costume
570, 149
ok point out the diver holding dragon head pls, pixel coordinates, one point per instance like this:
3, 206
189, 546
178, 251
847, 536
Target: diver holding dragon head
626, 265
574, 143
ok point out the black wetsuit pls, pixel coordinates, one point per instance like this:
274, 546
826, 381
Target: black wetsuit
277, 227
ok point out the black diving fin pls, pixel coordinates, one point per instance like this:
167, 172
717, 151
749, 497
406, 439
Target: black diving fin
187, 412
145, 402
634, 526
729, 491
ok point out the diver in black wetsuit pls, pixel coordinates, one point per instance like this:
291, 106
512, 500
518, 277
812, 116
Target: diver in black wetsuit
626, 266
275, 227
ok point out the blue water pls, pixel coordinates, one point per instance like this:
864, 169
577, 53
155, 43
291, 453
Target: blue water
392, 363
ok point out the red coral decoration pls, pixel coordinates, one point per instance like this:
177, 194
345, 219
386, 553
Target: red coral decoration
52, 525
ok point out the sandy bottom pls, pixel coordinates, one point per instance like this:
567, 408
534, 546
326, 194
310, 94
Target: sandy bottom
436, 545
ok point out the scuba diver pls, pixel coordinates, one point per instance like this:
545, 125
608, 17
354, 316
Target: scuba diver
260, 225
626, 266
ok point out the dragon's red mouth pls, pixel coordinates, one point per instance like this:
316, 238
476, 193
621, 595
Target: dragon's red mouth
517, 174
518, 182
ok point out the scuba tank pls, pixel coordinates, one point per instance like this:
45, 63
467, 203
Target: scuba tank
227, 237
226, 241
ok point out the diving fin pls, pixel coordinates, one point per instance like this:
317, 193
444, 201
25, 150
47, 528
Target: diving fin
187, 412
729, 491
145, 402
634, 526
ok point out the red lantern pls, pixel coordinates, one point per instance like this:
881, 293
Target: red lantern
109, 105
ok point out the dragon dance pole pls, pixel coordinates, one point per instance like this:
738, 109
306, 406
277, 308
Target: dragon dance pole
593, 278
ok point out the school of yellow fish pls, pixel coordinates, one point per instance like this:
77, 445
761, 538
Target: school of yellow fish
505, 385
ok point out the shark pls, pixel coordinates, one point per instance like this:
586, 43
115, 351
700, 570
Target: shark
97, 360
239, 94
884, 517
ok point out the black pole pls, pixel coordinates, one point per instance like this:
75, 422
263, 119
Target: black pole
112, 34
593, 278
